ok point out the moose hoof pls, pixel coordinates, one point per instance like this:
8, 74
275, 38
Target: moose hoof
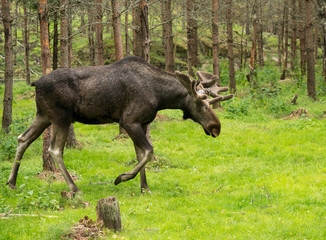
119, 179
146, 190
124, 177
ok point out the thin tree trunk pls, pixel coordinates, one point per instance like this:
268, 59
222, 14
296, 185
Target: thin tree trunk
311, 85
99, 58
294, 34
167, 34
252, 64
316, 36
64, 55
260, 36
91, 42
116, 19
15, 34
8, 95
215, 40
141, 44
302, 35
48, 163
286, 38
229, 24
127, 28
322, 15
247, 18
55, 41
70, 51
26, 43
192, 38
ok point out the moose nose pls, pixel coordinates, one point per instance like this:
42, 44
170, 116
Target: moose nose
214, 129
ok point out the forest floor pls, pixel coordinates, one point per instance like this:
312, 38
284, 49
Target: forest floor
264, 177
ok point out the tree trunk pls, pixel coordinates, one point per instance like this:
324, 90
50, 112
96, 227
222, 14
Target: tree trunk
192, 38
64, 55
141, 38
316, 40
311, 85
48, 163
55, 41
215, 40
322, 15
99, 58
8, 95
116, 19
286, 38
70, 51
252, 64
247, 18
229, 24
15, 34
167, 34
260, 36
108, 212
294, 34
26, 43
127, 28
302, 35
91, 42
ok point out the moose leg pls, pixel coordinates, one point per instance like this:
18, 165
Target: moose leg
143, 182
24, 140
58, 140
138, 136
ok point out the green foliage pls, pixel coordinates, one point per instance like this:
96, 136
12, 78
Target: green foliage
40, 198
8, 141
237, 108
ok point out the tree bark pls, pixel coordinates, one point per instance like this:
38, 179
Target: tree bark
167, 34
127, 45
286, 38
302, 36
55, 41
311, 85
99, 58
229, 24
322, 15
192, 38
108, 212
260, 36
294, 34
116, 19
215, 40
64, 55
141, 38
91, 42
48, 163
8, 95
26, 43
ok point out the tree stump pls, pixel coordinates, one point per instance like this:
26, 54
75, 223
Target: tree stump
108, 211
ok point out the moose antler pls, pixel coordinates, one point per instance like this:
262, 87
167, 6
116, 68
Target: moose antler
208, 85
205, 87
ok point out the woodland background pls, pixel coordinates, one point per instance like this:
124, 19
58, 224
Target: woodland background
263, 178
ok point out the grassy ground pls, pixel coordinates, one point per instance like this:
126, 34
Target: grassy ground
263, 178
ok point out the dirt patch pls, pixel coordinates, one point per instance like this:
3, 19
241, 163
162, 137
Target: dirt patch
26, 95
54, 176
299, 113
160, 117
85, 229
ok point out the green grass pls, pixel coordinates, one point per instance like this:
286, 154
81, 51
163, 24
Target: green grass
263, 178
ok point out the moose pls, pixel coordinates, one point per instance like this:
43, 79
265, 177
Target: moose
129, 92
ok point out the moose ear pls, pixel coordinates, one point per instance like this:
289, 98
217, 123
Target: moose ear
185, 80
